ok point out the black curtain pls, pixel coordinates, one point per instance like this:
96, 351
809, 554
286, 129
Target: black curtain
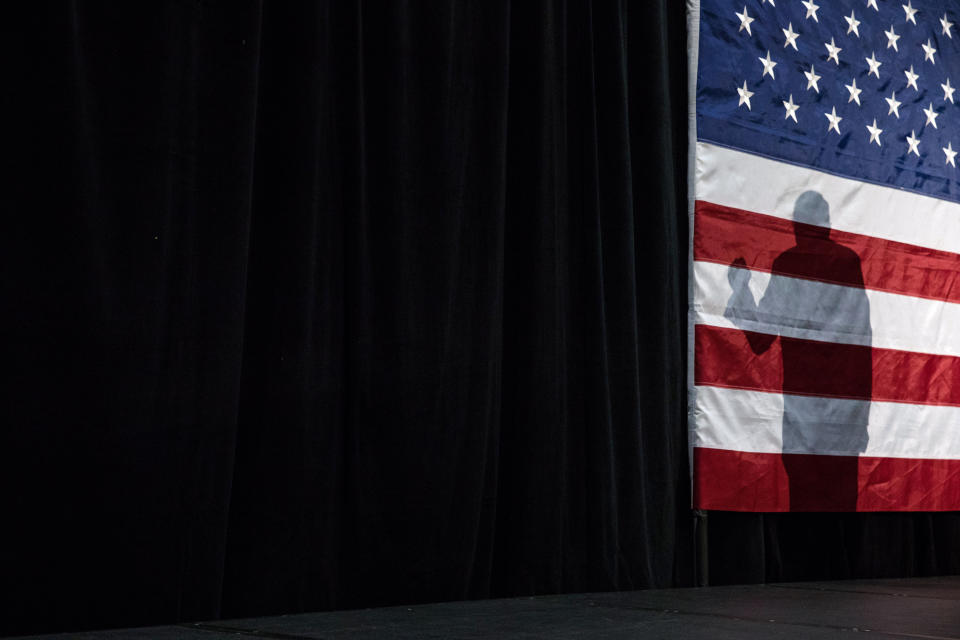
753, 547
313, 305
317, 305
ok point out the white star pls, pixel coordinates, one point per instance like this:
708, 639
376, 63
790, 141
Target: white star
791, 109
874, 64
914, 142
931, 116
853, 24
910, 11
745, 21
833, 50
744, 96
951, 154
772, 4
812, 79
768, 66
948, 91
946, 26
894, 104
875, 132
791, 37
892, 38
912, 78
834, 120
811, 10
854, 92
928, 51
872, 3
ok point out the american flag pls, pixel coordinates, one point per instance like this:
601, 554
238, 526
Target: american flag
825, 298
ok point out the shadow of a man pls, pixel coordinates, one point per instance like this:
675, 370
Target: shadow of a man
836, 427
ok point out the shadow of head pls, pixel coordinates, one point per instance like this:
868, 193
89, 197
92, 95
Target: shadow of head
811, 217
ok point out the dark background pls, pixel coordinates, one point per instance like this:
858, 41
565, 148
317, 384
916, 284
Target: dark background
339, 304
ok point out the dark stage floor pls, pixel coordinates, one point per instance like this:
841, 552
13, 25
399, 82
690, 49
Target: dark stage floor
910, 608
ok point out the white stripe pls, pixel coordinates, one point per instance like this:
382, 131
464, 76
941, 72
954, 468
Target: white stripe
827, 312
754, 183
738, 420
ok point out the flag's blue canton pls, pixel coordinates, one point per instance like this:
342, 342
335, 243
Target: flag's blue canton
745, 97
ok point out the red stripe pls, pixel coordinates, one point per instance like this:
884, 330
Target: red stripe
724, 358
769, 482
723, 234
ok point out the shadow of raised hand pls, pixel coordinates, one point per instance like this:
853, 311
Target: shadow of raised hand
738, 274
741, 305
